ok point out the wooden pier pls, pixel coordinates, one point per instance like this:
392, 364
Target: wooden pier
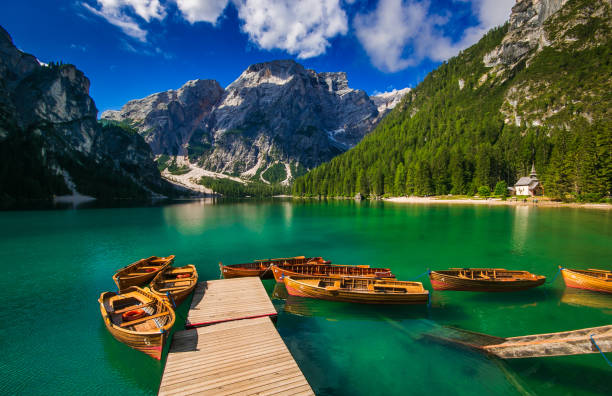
574, 342
223, 300
231, 346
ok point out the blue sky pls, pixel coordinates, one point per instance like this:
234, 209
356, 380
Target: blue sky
132, 48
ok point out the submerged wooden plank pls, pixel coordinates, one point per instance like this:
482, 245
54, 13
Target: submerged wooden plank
232, 358
574, 342
229, 299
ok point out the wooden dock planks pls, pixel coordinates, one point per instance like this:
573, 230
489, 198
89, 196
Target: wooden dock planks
228, 299
240, 357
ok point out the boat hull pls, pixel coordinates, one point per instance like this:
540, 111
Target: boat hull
151, 342
441, 281
317, 271
578, 280
296, 288
261, 268
123, 279
186, 285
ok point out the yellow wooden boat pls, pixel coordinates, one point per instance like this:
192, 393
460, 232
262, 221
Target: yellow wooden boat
178, 283
141, 272
591, 279
325, 270
262, 268
138, 318
358, 290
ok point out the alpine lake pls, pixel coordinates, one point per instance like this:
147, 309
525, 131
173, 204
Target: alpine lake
57, 262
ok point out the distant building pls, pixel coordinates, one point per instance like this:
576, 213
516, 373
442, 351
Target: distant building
529, 185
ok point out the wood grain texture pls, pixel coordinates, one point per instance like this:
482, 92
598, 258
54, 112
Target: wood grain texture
240, 357
229, 299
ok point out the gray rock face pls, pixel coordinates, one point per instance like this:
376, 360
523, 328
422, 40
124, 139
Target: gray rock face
526, 32
48, 129
274, 111
168, 119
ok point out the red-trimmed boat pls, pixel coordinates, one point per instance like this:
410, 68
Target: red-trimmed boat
591, 279
261, 268
322, 270
484, 279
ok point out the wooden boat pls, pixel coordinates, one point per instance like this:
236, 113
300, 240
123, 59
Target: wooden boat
574, 342
319, 270
178, 283
591, 279
261, 268
358, 290
138, 318
141, 272
484, 279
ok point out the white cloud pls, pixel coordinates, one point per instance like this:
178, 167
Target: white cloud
298, 27
201, 11
399, 34
301, 28
114, 11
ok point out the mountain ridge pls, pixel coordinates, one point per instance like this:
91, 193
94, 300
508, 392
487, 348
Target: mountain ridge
50, 140
475, 121
274, 112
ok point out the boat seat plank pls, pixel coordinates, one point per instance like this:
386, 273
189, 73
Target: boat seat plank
144, 319
133, 307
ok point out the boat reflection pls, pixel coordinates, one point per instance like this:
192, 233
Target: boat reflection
586, 298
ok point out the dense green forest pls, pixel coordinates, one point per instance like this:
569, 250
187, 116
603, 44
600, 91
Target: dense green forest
233, 189
448, 136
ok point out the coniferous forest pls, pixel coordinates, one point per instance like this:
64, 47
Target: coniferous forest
455, 132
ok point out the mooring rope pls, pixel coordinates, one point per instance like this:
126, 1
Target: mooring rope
424, 273
600, 351
556, 275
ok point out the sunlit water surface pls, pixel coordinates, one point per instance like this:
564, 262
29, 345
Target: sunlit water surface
57, 262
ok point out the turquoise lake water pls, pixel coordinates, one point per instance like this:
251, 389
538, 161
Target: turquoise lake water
57, 262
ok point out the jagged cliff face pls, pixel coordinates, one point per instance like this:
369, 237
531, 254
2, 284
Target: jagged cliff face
168, 119
539, 30
50, 139
275, 112
525, 33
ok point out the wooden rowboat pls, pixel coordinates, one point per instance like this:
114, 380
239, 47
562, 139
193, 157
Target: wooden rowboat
358, 290
138, 318
484, 279
178, 283
261, 268
141, 272
591, 279
319, 270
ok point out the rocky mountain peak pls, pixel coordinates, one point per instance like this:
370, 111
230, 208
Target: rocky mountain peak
526, 32
275, 113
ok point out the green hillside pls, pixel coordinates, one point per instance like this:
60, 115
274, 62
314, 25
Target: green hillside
467, 125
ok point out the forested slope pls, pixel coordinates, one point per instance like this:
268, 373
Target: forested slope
528, 92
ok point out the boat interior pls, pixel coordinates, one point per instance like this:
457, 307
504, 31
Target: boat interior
365, 285
136, 312
595, 273
498, 274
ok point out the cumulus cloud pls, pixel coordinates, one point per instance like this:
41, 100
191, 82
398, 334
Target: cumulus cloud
201, 11
124, 14
399, 34
301, 28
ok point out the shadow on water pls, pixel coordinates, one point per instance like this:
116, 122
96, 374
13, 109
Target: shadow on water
514, 297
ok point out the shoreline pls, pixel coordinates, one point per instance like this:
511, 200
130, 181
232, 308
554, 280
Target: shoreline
497, 202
